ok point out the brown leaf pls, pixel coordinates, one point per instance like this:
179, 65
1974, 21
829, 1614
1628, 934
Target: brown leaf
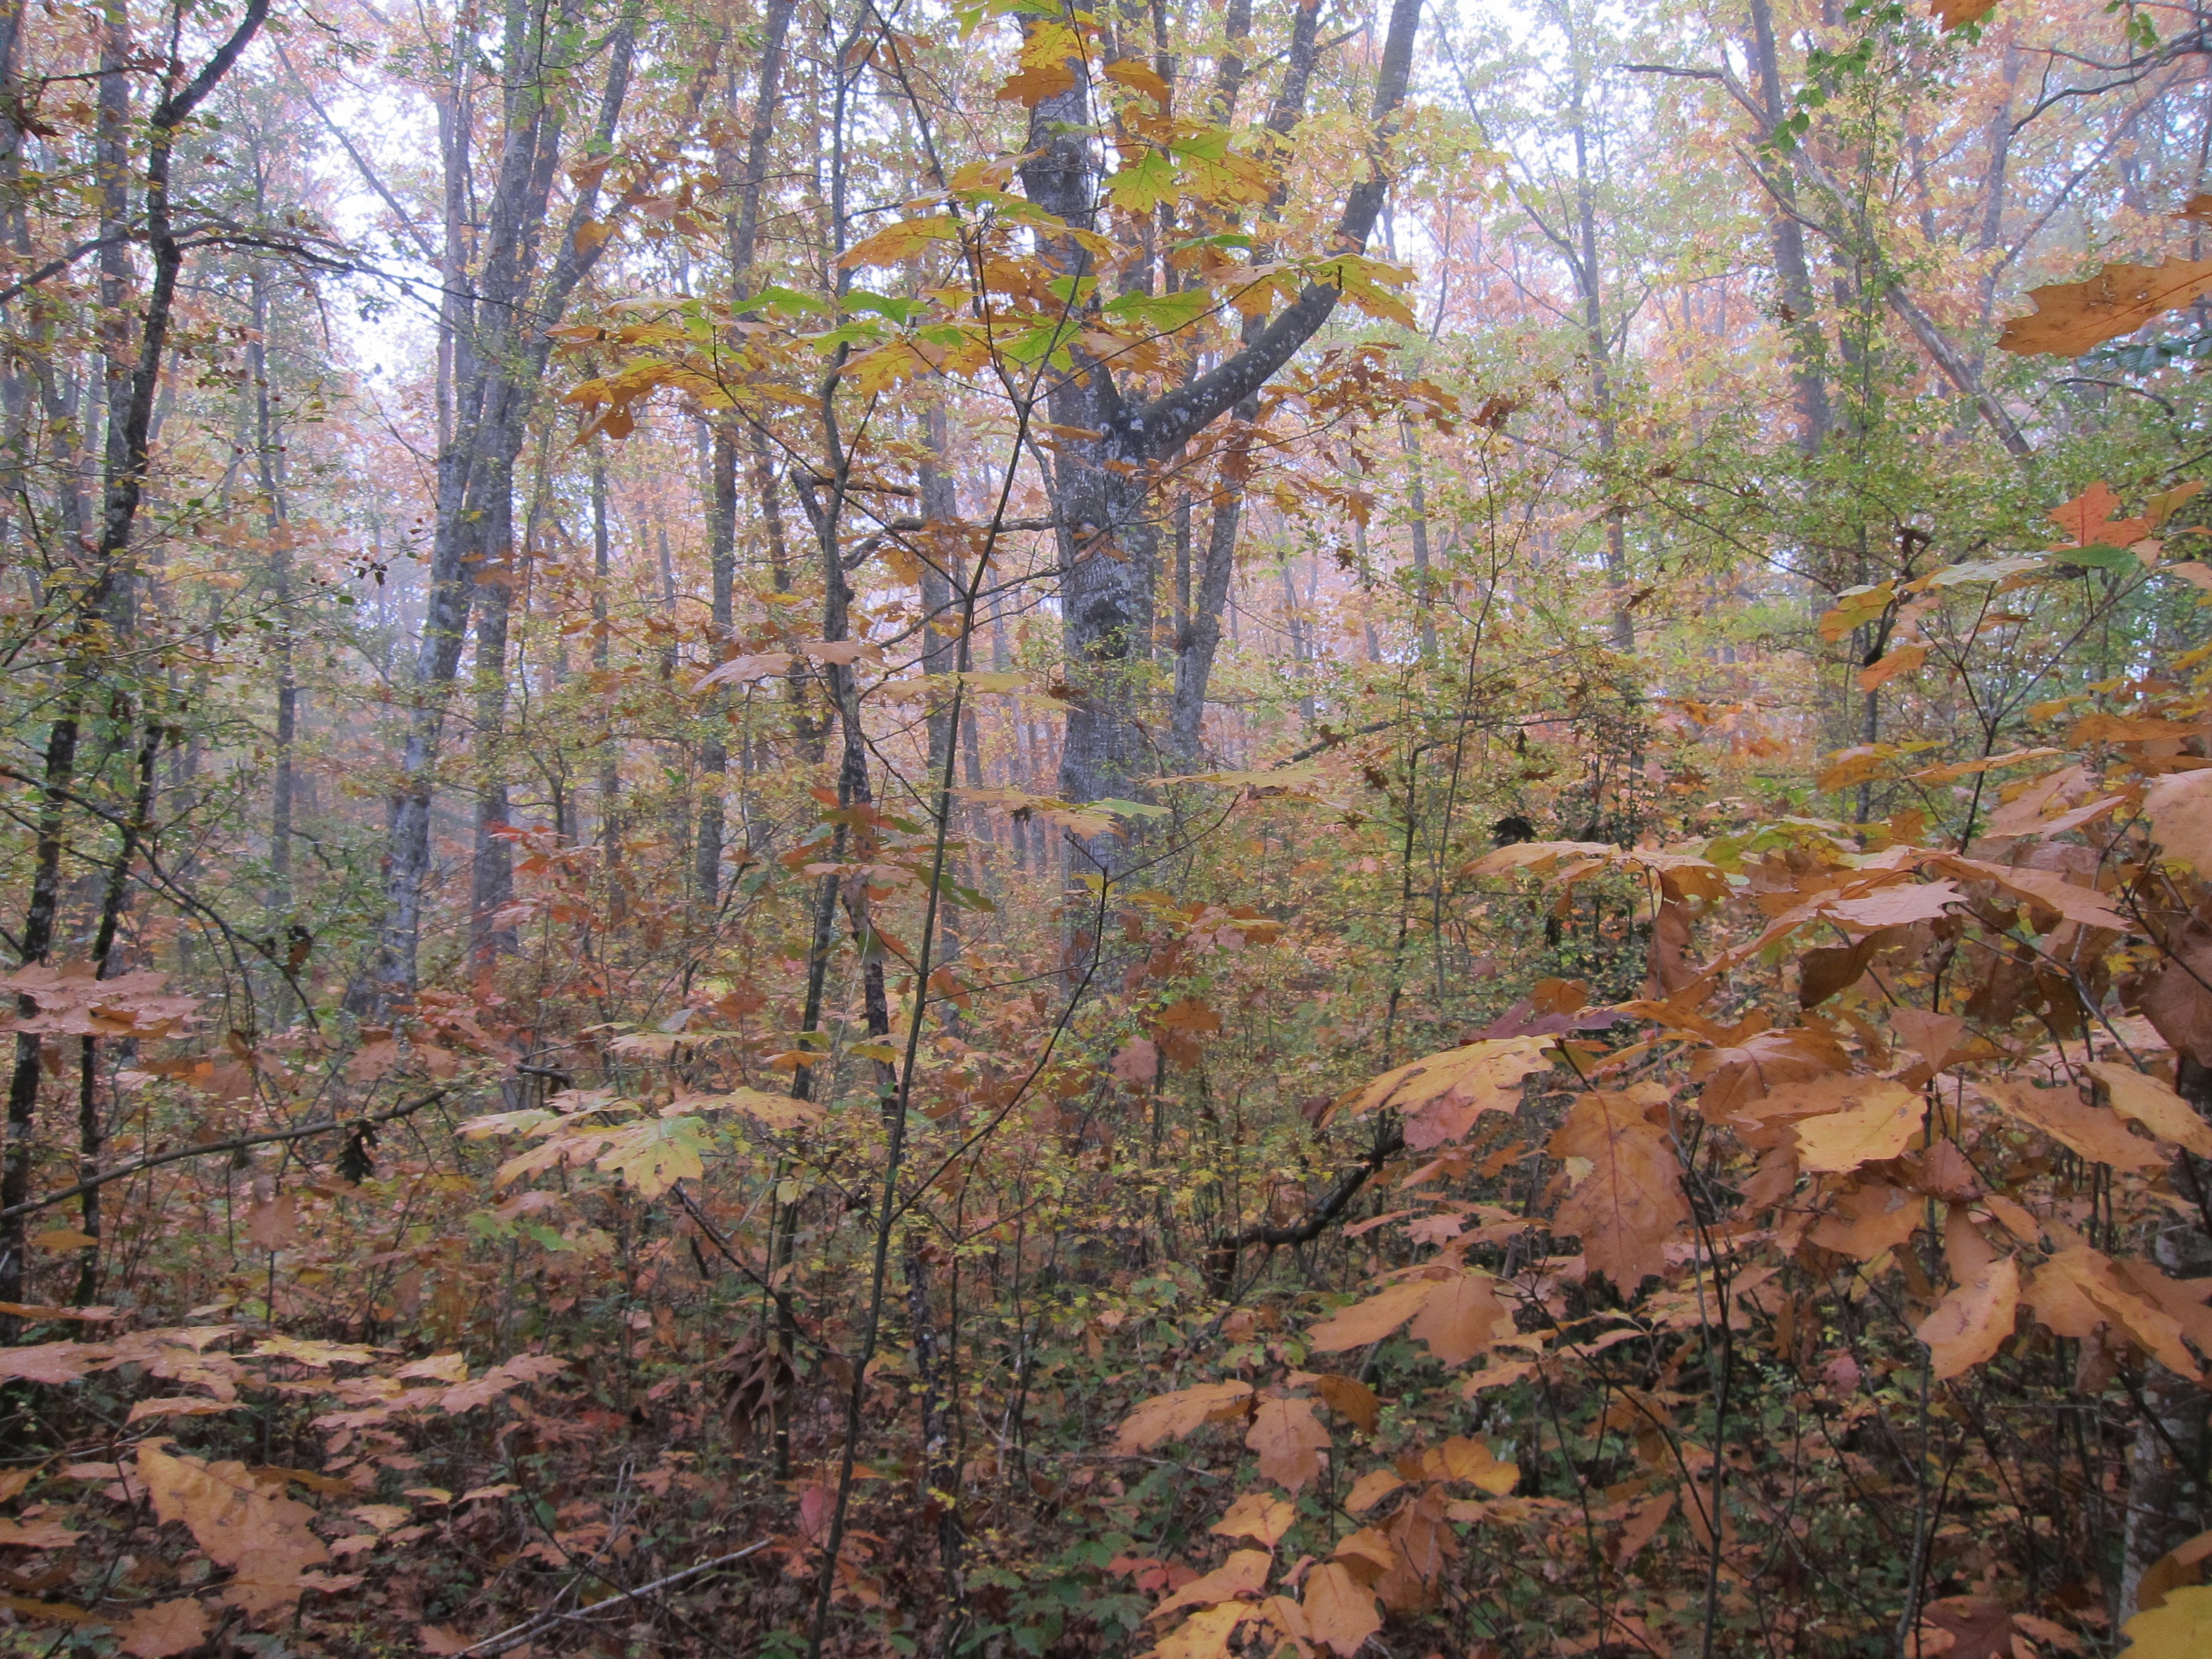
1137, 1063
1350, 1397
1932, 1036
2175, 999
1671, 967
1369, 1321
1869, 1220
1979, 1627
441, 1639
1290, 1440
1461, 1317
2069, 317
165, 1629
263, 1540
1340, 1611
2078, 1290
1170, 1416
1643, 1526
1631, 1203
2180, 808
1957, 14
36, 1535
1972, 1323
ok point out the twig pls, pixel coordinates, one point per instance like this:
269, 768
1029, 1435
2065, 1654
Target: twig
327, 1127
515, 1633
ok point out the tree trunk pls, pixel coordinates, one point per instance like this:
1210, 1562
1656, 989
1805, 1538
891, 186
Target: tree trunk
1801, 312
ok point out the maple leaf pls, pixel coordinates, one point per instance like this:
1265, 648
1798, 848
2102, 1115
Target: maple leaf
2070, 317
1972, 1323
1631, 1202
1290, 1440
1341, 1612
1257, 1514
2087, 520
902, 241
1442, 1095
1170, 1416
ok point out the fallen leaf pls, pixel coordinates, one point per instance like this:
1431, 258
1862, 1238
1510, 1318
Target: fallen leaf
442, 1639
165, 1629
36, 1535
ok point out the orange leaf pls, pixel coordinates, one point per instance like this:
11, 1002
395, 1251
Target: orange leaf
2070, 317
1972, 1323
2150, 1102
164, 1629
1369, 1321
1957, 14
1170, 1416
1340, 1611
2090, 1133
1245, 1573
1879, 1121
1444, 1094
1351, 1397
1903, 661
1461, 1317
1290, 1440
1257, 1514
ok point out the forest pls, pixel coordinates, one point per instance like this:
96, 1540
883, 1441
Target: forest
1163, 828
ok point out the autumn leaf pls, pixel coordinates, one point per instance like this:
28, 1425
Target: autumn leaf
1170, 1416
2070, 317
165, 1629
1205, 1634
264, 1539
1290, 1440
2079, 1290
1631, 1203
1245, 1573
902, 241
2180, 808
1257, 1514
1348, 1395
1340, 1611
1135, 74
2181, 1629
1972, 1323
1442, 1095
1878, 1120
2089, 1132
1901, 661
2142, 1098
1957, 14
1460, 1318
2087, 520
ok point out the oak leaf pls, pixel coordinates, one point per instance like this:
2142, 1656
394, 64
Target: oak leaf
1351, 1397
2175, 999
1170, 1416
1290, 1440
1369, 1320
2180, 808
1972, 1323
1444, 1094
1461, 1317
1869, 1220
2070, 317
2079, 1290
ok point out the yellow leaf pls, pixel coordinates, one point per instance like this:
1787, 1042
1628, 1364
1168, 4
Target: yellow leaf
1132, 72
1442, 1095
1245, 1573
63, 1238
1204, 1635
2090, 1133
2069, 317
2182, 1629
900, 241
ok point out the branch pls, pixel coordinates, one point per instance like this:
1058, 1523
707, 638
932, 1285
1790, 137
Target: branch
239, 1145
1169, 421
1388, 1146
